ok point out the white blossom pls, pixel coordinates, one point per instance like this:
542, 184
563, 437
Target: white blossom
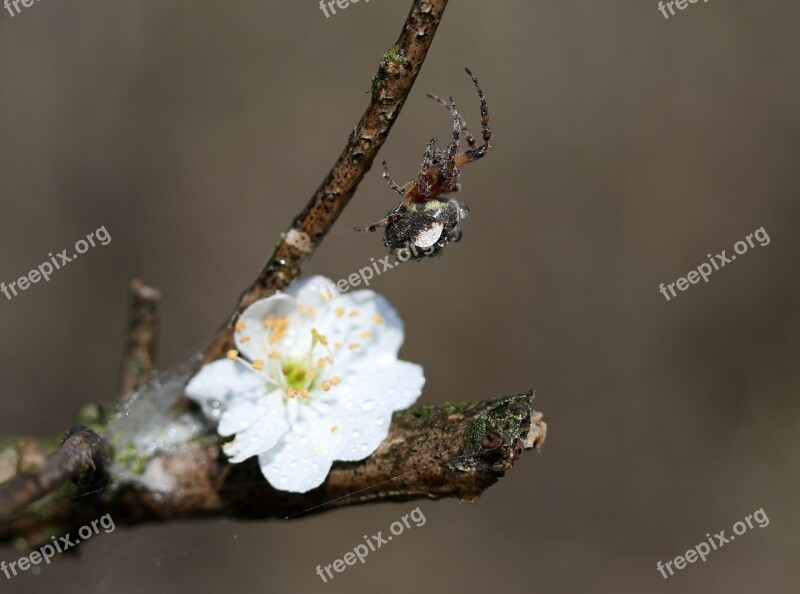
314, 378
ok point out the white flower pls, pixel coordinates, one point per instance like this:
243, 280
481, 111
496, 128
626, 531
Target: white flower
315, 378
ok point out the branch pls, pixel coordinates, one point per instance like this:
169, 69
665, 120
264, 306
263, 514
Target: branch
391, 86
142, 339
72, 460
454, 450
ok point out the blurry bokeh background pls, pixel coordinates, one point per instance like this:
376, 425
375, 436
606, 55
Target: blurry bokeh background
626, 148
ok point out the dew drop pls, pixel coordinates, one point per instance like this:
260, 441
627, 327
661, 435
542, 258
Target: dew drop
284, 480
380, 421
364, 447
356, 434
368, 405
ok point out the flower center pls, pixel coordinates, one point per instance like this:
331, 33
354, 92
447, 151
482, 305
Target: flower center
296, 373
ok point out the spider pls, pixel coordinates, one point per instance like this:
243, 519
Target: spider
425, 218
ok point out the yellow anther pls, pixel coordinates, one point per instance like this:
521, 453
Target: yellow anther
339, 311
321, 363
366, 334
329, 359
276, 336
303, 392
274, 355
321, 338
279, 323
334, 429
311, 374
290, 392
325, 385
352, 314
258, 364
377, 319
240, 325
337, 345
352, 346
244, 339
326, 295
336, 380
232, 354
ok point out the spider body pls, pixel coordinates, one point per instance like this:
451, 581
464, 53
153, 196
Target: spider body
425, 218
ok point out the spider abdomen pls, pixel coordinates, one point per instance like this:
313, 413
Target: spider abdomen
425, 228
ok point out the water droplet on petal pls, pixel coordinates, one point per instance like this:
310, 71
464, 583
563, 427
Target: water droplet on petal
368, 405
380, 421
364, 447
356, 434
284, 480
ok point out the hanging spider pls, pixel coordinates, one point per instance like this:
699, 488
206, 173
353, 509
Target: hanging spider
424, 218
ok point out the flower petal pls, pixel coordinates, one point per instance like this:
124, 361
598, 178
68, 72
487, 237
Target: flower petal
300, 461
219, 383
314, 291
365, 401
361, 326
256, 341
258, 426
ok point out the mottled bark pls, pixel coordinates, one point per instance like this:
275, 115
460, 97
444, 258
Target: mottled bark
32, 480
454, 450
141, 344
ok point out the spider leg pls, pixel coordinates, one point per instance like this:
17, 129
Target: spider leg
427, 161
450, 166
392, 184
476, 153
383, 223
461, 121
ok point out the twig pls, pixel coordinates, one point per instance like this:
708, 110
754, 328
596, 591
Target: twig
142, 339
455, 450
72, 460
391, 86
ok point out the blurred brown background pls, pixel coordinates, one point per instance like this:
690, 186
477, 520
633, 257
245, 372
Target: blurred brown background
626, 148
